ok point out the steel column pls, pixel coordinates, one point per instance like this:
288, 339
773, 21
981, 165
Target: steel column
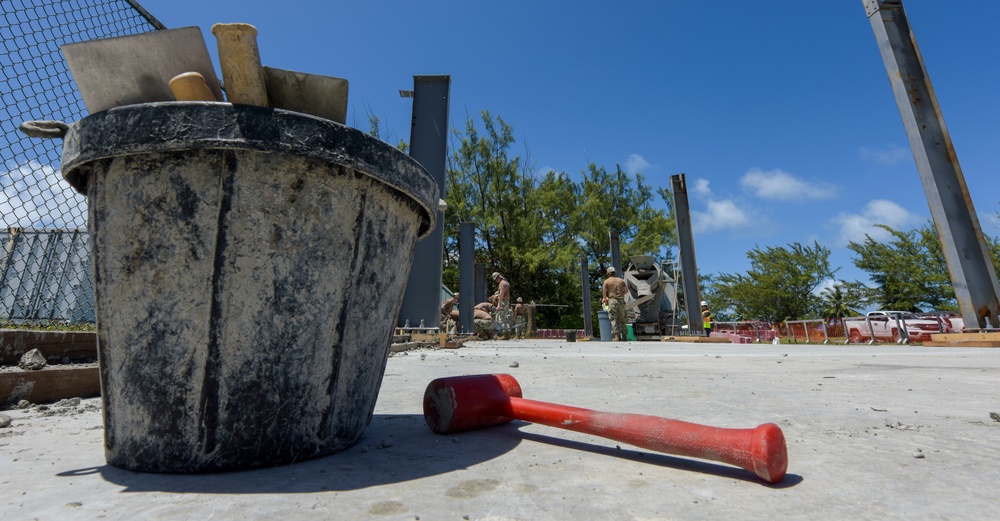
588, 323
479, 283
969, 264
466, 276
685, 245
616, 254
429, 146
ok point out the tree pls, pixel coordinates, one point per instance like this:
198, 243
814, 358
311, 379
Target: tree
523, 230
908, 270
839, 301
621, 203
535, 231
780, 284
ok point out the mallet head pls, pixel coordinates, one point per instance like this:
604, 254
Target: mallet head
465, 403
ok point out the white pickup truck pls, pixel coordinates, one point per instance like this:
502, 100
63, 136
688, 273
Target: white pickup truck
886, 325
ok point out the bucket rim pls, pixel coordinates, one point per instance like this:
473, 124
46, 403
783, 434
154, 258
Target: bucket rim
178, 126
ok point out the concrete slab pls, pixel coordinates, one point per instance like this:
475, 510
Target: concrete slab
874, 432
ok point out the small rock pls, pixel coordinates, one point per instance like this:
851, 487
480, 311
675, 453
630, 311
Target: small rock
423, 356
32, 361
74, 504
385, 444
919, 454
67, 402
5, 421
23, 404
515, 364
995, 417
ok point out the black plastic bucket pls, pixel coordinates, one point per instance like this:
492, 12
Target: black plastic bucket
249, 266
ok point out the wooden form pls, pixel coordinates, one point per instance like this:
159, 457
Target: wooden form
50, 384
964, 340
54, 345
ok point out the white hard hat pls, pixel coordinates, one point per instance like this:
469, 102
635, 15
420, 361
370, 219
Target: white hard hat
703, 303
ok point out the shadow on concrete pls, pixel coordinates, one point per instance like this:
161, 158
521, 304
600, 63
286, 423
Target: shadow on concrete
393, 449
663, 460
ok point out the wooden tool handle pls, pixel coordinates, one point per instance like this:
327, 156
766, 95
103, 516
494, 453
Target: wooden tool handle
190, 86
239, 58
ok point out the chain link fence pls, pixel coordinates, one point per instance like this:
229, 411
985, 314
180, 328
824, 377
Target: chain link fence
45, 272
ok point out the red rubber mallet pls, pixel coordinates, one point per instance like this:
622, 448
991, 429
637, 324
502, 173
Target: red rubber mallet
464, 403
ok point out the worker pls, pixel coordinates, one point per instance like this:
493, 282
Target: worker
485, 306
449, 313
448, 307
520, 318
503, 300
706, 318
613, 294
482, 322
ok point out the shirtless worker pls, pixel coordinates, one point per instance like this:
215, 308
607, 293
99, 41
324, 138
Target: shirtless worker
613, 294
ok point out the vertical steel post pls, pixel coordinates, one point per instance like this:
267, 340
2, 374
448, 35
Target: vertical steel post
479, 283
429, 146
685, 245
588, 323
466, 276
616, 254
969, 265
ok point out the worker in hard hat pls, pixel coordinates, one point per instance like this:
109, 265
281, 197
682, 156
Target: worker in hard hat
706, 318
520, 318
613, 294
504, 315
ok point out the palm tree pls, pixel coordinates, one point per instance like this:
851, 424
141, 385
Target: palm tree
837, 303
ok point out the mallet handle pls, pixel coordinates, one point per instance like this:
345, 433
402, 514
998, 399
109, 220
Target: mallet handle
761, 450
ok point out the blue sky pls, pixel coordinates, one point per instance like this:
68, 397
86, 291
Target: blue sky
779, 113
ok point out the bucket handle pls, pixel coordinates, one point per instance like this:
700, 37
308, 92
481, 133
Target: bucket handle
45, 129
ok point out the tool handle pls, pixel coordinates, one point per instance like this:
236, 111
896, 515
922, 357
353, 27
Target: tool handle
239, 59
190, 86
761, 450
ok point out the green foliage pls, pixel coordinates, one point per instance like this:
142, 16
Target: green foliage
48, 326
780, 284
908, 270
841, 300
535, 230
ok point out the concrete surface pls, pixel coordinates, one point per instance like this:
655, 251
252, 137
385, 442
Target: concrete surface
886, 432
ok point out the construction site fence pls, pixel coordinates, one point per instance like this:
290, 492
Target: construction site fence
45, 273
828, 331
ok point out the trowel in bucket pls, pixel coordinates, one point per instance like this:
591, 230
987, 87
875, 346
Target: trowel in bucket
127, 70
312, 94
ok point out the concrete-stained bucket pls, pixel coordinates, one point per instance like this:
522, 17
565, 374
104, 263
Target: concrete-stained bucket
250, 264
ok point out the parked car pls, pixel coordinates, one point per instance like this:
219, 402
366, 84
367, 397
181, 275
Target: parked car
886, 326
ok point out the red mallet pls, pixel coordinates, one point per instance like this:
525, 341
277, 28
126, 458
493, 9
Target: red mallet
464, 403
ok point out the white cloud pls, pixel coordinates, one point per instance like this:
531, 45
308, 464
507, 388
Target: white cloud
701, 188
854, 226
778, 185
888, 155
720, 215
636, 163
35, 195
